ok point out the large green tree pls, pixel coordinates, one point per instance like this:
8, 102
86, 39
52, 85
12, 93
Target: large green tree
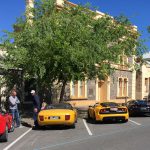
60, 45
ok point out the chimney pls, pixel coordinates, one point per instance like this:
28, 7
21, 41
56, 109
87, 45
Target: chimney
60, 3
29, 15
29, 4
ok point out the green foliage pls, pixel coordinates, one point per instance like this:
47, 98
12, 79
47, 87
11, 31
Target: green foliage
67, 44
122, 19
148, 29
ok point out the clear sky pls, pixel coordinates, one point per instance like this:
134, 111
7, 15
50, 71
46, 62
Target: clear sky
136, 10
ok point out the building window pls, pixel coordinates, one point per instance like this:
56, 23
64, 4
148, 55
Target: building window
146, 85
74, 87
81, 88
125, 87
78, 89
122, 87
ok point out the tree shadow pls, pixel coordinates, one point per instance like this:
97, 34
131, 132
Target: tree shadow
52, 127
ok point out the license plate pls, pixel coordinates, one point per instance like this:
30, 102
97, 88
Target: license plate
113, 109
54, 117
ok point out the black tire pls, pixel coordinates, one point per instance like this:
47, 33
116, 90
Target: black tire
132, 114
89, 117
94, 118
73, 126
125, 120
4, 137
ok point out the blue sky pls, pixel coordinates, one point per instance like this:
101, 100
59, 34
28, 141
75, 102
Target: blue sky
136, 10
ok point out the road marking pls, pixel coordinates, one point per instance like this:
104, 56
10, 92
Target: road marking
87, 128
134, 122
20, 137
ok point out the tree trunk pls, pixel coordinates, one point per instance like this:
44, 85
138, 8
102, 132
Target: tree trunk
62, 91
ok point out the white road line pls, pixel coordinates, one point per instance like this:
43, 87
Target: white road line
87, 128
134, 122
10, 145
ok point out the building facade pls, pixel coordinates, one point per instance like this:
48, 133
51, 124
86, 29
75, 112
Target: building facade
119, 87
143, 82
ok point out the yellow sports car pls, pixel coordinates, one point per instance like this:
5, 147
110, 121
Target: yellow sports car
108, 111
58, 114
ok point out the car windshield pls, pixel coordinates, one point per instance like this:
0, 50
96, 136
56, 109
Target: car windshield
141, 102
59, 106
109, 104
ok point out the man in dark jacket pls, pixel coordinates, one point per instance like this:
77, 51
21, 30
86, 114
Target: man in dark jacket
36, 106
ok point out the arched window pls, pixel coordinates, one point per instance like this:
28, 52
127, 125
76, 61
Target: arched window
81, 89
78, 89
122, 87
74, 87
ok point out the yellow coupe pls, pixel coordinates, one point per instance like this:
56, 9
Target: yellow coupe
58, 114
108, 111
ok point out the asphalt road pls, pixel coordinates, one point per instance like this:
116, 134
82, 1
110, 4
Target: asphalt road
133, 135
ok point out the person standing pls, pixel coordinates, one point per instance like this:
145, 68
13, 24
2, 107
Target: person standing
13, 106
36, 106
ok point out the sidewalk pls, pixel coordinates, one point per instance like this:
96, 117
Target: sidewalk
28, 122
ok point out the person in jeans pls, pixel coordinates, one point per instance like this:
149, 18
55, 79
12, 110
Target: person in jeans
36, 107
13, 106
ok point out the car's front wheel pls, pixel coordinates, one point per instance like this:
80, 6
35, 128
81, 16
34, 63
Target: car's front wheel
4, 136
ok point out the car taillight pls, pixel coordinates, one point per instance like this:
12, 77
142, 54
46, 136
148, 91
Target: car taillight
102, 111
67, 117
41, 118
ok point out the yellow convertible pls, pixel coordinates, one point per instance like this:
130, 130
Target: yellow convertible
58, 114
108, 111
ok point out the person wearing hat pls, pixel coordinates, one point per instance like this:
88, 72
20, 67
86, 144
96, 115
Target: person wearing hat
36, 106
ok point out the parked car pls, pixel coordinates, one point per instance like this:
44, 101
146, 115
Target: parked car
58, 114
108, 111
6, 125
138, 107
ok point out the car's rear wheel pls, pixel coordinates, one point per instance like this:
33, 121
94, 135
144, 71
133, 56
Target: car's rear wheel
89, 117
73, 126
4, 137
125, 120
94, 118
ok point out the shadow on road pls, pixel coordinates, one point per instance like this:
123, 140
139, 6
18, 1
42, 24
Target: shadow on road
92, 121
53, 127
